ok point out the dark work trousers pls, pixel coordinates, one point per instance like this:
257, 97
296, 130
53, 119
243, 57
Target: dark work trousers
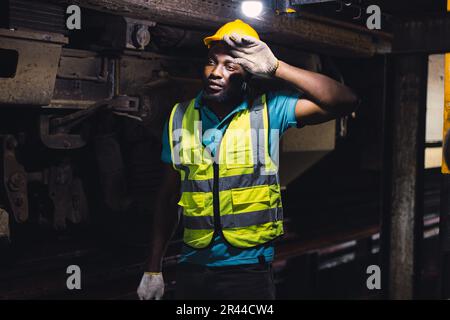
248, 281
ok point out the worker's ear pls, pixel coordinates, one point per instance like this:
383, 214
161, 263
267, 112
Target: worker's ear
250, 89
244, 87
247, 76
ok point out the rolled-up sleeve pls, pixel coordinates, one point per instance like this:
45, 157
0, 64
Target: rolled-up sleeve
281, 105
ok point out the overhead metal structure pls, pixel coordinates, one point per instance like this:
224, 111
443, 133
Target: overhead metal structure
314, 33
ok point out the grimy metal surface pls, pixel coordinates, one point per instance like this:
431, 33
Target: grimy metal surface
405, 209
34, 78
428, 35
4, 225
32, 15
14, 178
320, 36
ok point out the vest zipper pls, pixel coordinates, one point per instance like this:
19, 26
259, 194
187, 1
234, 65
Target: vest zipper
216, 203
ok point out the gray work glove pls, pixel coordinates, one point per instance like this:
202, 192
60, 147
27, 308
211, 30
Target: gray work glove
151, 286
252, 54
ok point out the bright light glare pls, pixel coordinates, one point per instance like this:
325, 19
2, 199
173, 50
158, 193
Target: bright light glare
252, 9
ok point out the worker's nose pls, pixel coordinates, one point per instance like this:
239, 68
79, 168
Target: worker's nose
216, 73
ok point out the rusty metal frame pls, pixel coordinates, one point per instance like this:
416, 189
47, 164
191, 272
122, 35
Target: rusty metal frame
402, 182
331, 37
402, 212
14, 178
425, 35
31, 85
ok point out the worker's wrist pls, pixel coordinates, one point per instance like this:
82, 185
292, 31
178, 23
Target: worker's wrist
154, 265
278, 69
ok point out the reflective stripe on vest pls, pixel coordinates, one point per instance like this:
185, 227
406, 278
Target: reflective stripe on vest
249, 192
235, 220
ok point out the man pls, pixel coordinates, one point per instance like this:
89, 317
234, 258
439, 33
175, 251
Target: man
230, 193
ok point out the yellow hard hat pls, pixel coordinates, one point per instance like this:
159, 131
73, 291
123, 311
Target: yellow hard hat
236, 26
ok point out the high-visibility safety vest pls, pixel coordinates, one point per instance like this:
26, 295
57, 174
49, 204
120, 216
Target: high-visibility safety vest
238, 194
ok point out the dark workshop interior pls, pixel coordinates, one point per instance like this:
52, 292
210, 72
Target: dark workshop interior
82, 113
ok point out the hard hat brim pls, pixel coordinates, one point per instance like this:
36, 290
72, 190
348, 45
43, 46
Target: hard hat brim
236, 26
210, 39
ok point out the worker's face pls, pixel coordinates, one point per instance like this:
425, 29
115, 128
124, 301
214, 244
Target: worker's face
223, 80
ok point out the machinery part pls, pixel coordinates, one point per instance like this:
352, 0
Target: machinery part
28, 76
25, 14
83, 78
140, 36
4, 226
80, 210
165, 78
54, 131
114, 31
118, 103
111, 172
60, 181
284, 7
169, 37
67, 194
328, 37
124, 103
59, 140
137, 33
14, 179
101, 76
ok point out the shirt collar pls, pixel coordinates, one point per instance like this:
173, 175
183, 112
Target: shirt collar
198, 103
198, 100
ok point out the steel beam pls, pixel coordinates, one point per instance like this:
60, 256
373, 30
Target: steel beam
427, 35
403, 175
304, 32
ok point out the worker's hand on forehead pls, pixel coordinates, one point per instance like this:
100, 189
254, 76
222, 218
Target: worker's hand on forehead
252, 54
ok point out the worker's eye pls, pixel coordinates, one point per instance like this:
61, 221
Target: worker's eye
210, 62
230, 67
